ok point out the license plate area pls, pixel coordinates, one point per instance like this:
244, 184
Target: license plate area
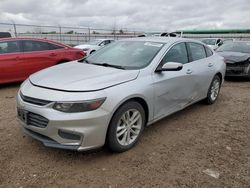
23, 115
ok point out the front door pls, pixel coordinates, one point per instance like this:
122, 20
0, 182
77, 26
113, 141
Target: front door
173, 89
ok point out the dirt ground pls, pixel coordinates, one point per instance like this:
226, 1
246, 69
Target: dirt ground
174, 152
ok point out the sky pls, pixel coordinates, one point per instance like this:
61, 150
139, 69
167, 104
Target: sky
147, 15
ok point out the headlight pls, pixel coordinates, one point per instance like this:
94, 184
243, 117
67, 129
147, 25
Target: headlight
71, 107
85, 49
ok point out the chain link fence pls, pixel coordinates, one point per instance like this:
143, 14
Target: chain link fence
68, 35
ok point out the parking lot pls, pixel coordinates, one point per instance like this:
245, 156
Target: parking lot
174, 152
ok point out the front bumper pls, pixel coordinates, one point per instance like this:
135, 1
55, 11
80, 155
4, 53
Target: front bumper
237, 71
74, 131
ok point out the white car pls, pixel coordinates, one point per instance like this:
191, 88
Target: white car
94, 45
213, 43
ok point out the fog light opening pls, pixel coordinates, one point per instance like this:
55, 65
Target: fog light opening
68, 135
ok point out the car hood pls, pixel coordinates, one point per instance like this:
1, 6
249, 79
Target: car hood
77, 76
234, 57
85, 46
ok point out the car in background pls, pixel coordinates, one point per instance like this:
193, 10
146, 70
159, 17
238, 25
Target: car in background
237, 58
5, 35
94, 45
110, 96
213, 43
20, 57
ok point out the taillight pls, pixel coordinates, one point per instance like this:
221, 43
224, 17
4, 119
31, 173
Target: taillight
81, 53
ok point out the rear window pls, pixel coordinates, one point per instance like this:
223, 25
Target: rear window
54, 46
209, 52
197, 51
32, 45
9, 47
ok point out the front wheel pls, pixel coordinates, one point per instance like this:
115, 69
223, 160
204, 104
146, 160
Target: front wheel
126, 127
213, 91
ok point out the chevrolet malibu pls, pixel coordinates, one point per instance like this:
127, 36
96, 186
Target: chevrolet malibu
112, 95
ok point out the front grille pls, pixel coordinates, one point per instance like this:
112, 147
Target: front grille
35, 101
37, 120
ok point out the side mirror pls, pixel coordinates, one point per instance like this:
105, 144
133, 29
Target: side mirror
220, 43
170, 66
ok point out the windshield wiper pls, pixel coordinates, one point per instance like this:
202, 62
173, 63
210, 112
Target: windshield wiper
109, 65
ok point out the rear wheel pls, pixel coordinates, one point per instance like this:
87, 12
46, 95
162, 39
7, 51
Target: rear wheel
213, 91
126, 127
92, 52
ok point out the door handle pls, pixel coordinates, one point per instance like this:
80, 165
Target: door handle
16, 58
52, 54
210, 64
189, 71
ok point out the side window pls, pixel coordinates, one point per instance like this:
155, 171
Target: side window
31, 45
209, 52
54, 46
104, 43
9, 47
177, 53
197, 51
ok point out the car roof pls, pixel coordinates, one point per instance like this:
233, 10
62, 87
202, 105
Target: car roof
103, 39
161, 39
210, 38
37, 39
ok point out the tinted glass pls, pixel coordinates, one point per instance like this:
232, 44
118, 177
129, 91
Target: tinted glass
197, 51
54, 46
31, 45
209, 52
9, 47
5, 35
129, 54
94, 42
209, 41
243, 47
177, 53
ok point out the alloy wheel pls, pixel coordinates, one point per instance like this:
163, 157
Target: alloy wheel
129, 127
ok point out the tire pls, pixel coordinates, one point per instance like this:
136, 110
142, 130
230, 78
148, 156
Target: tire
92, 52
122, 125
214, 90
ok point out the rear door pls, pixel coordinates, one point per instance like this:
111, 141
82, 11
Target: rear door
10, 62
202, 69
38, 55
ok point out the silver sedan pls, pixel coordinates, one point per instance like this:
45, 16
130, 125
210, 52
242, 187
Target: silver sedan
110, 96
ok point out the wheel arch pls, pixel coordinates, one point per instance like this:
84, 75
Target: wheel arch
220, 75
138, 99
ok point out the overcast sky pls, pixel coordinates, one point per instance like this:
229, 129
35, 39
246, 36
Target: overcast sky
137, 14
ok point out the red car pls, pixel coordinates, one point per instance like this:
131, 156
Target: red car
20, 57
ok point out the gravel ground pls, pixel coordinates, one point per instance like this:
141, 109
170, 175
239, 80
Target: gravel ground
178, 151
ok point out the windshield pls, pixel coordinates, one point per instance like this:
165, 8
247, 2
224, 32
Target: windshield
209, 41
126, 54
243, 47
94, 42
